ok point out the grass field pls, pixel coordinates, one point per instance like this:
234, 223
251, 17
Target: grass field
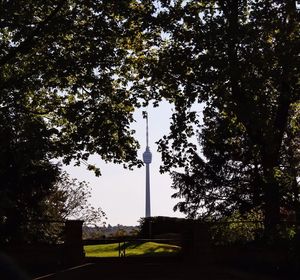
131, 249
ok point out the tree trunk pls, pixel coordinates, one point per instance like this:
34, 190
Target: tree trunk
271, 205
295, 189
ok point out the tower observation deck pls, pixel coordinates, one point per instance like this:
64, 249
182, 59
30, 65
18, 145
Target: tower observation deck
147, 158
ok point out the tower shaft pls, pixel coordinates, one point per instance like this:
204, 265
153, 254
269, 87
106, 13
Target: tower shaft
148, 207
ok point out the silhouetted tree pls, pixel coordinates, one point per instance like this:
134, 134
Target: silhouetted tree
237, 56
227, 178
60, 60
70, 200
61, 97
26, 174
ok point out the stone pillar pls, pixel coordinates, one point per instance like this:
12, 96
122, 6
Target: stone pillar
201, 241
196, 243
74, 252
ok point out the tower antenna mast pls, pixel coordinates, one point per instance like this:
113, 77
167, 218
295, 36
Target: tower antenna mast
147, 133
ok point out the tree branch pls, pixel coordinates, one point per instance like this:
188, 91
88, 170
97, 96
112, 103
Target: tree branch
34, 36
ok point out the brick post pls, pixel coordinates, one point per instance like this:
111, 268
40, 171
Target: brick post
74, 252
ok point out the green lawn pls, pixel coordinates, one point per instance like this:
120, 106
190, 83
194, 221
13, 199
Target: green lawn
132, 249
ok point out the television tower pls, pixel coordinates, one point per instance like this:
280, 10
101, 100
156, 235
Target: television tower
147, 158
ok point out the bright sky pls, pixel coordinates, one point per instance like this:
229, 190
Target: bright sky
121, 192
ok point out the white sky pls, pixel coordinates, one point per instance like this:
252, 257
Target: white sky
121, 192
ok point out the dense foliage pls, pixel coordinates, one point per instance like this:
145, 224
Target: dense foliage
61, 97
26, 175
240, 60
60, 60
72, 72
37, 200
230, 179
70, 200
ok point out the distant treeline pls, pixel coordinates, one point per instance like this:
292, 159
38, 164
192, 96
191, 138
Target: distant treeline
109, 231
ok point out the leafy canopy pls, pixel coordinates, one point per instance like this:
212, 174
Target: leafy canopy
60, 61
239, 59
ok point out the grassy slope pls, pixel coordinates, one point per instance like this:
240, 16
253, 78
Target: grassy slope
132, 249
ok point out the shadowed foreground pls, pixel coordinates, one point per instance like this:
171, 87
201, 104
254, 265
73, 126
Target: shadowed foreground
155, 268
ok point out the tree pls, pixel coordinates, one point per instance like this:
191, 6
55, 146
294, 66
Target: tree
37, 197
290, 163
70, 201
59, 60
239, 57
61, 97
226, 179
26, 174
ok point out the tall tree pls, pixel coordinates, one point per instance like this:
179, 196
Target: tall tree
26, 174
61, 96
242, 54
60, 60
227, 178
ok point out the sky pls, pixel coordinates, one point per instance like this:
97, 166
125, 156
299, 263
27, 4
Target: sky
121, 192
